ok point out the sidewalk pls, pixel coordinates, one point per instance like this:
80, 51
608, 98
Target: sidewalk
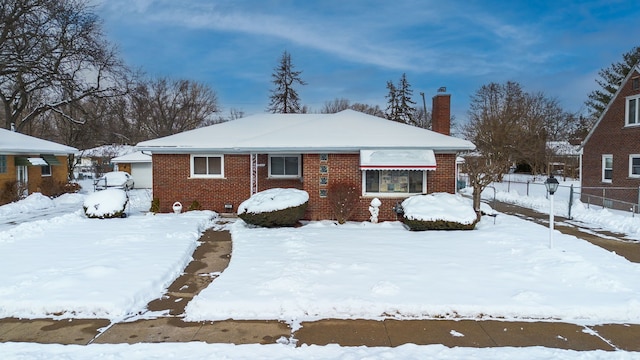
213, 256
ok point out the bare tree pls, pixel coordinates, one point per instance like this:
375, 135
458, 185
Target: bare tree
495, 113
52, 54
284, 98
163, 107
510, 126
338, 105
368, 109
482, 172
334, 106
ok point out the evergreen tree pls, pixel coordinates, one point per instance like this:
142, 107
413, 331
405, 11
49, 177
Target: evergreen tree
407, 109
400, 105
609, 82
284, 98
392, 100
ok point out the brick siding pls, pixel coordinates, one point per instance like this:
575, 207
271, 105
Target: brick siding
612, 137
171, 182
59, 173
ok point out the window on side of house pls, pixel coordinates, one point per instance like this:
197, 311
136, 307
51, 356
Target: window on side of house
45, 170
607, 168
635, 83
394, 182
632, 115
207, 166
634, 165
284, 166
3, 164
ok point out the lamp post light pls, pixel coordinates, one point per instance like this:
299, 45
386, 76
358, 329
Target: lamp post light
552, 185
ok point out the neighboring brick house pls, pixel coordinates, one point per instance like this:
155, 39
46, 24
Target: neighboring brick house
37, 165
224, 164
611, 151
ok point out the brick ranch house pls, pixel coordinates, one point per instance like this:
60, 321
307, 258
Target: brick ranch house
224, 164
611, 151
36, 164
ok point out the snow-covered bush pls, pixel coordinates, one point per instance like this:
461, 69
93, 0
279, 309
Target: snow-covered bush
439, 211
105, 204
274, 207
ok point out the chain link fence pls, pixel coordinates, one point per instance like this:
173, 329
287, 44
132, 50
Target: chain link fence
591, 197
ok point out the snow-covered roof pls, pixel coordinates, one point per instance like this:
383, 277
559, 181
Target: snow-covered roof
345, 131
563, 148
134, 157
12, 142
112, 150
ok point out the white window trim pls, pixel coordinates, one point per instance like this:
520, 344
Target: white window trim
626, 110
391, 195
206, 176
50, 171
631, 157
603, 168
5, 168
298, 176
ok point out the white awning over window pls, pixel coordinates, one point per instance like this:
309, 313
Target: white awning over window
36, 161
397, 160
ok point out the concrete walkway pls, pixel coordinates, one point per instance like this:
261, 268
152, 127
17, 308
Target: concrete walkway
212, 257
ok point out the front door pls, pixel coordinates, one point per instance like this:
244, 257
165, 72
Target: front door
23, 178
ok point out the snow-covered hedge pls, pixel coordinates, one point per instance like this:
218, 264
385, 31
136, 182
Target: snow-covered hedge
439, 211
105, 204
274, 207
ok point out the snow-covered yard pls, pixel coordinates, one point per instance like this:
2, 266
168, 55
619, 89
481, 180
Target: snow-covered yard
73, 266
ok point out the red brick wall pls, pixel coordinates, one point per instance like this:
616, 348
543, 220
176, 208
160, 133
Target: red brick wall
444, 178
441, 114
612, 137
171, 183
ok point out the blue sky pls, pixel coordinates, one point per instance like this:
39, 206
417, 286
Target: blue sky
350, 49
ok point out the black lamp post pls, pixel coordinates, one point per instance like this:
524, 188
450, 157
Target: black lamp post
552, 185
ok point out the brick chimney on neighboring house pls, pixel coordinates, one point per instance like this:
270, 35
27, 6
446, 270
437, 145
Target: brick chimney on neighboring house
441, 114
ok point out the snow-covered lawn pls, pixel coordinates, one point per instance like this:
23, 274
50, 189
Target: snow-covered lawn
78, 267
55, 260
371, 271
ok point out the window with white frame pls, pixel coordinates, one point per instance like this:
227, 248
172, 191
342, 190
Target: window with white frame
207, 166
3, 164
634, 165
284, 166
632, 114
607, 168
394, 182
45, 170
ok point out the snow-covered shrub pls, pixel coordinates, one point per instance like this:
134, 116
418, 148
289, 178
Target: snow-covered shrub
105, 204
439, 211
274, 207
